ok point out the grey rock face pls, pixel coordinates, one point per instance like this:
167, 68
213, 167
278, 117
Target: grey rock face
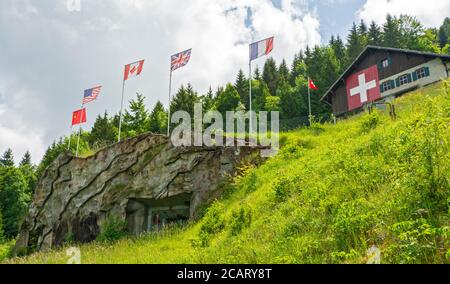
75, 195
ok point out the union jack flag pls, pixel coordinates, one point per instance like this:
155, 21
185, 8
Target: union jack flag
180, 59
91, 94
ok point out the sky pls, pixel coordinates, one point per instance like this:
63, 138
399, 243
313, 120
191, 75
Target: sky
51, 51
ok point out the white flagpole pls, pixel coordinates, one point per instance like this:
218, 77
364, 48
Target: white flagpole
121, 109
79, 133
70, 137
170, 93
309, 102
250, 93
78, 142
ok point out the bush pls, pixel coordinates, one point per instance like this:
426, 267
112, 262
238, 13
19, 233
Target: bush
416, 241
112, 230
6, 250
2, 238
213, 223
370, 121
353, 222
283, 188
240, 219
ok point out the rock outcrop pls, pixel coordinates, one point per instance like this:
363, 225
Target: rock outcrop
75, 195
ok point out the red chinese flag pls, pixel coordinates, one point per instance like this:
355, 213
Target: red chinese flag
79, 117
312, 85
133, 69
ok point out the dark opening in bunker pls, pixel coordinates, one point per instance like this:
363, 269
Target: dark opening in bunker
145, 215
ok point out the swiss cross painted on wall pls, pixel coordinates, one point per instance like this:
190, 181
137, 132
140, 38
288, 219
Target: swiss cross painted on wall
363, 87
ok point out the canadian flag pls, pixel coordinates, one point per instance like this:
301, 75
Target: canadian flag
133, 69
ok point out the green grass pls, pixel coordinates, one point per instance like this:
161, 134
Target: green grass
331, 193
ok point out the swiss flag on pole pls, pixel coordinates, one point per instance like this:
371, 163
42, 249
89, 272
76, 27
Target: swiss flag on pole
312, 85
133, 69
79, 117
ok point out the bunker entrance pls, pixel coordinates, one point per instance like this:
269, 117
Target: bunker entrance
144, 215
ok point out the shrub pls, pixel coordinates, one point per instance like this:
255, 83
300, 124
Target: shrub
1, 229
284, 187
6, 250
240, 219
352, 223
213, 223
416, 241
370, 121
113, 229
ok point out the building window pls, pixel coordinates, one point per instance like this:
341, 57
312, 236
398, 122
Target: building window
420, 73
386, 86
385, 63
403, 80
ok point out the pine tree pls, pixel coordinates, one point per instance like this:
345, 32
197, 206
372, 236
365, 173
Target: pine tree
391, 32
444, 33
208, 100
260, 92
337, 45
158, 119
374, 35
363, 33
270, 75
296, 69
26, 159
7, 160
290, 102
283, 71
257, 74
136, 121
2, 231
228, 100
103, 132
185, 99
242, 88
354, 44
13, 200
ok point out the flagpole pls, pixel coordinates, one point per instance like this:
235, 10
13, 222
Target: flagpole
309, 102
78, 142
121, 109
250, 93
79, 133
170, 93
70, 137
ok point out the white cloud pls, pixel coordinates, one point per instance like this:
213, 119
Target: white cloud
431, 12
49, 55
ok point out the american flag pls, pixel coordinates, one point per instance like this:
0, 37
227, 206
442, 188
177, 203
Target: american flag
180, 59
91, 94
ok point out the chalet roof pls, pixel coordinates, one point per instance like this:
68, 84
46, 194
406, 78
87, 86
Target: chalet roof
371, 47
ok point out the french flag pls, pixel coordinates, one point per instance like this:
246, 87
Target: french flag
261, 48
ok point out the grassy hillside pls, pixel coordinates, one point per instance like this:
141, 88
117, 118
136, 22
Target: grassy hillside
331, 193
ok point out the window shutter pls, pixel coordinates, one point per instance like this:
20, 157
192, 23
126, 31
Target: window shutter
392, 84
427, 71
409, 78
381, 88
390, 60
414, 76
380, 66
397, 82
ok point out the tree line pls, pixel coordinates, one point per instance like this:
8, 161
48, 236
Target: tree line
276, 87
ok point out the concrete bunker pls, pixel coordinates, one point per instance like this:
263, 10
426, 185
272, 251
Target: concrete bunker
149, 214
